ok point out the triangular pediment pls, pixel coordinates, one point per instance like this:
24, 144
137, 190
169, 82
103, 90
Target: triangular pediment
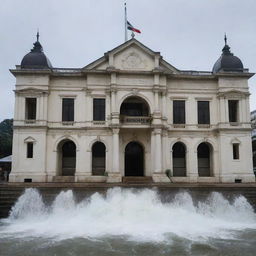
131, 56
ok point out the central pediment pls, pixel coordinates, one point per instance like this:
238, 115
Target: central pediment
131, 56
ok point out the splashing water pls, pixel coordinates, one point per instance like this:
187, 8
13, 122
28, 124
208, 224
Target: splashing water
139, 215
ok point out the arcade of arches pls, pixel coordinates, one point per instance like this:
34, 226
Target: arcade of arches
134, 159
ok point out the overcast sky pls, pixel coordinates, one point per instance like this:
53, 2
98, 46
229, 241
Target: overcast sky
188, 33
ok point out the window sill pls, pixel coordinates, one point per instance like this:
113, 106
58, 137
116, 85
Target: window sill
203, 125
68, 123
99, 122
32, 121
179, 125
234, 123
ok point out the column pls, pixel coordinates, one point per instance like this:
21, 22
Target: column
88, 106
158, 174
41, 107
156, 100
191, 161
158, 151
164, 104
114, 175
115, 153
113, 101
108, 108
152, 151
222, 110
45, 106
16, 106
165, 151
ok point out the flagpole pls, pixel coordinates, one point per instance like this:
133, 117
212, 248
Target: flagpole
125, 23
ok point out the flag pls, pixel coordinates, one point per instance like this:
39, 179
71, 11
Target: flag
130, 27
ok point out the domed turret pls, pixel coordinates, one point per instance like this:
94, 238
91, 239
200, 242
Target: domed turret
36, 59
227, 61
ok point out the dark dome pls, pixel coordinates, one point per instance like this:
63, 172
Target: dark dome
36, 59
228, 62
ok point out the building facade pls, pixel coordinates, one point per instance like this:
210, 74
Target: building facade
130, 113
253, 119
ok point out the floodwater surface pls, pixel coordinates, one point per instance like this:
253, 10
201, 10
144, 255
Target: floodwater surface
128, 222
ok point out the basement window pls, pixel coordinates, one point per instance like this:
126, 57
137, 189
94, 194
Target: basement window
27, 180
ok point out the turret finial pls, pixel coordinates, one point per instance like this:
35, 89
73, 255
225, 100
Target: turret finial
225, 38
37, 35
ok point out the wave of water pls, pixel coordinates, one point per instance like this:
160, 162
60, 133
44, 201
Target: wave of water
139, 215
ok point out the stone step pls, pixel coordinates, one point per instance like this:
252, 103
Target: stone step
64, 179
137, 179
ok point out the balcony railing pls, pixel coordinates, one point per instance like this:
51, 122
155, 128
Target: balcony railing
135, 119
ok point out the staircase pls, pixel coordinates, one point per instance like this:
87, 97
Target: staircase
8, 197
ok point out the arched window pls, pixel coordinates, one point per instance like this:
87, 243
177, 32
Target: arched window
204, 158
134, 106
98, 158
179, 159
67, 152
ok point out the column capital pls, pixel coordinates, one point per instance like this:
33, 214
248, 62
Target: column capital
156, 89
165, 133
115, 131
157, 131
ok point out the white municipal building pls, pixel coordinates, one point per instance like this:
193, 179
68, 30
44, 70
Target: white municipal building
131, 113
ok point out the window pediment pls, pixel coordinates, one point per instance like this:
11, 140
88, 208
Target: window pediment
31, 91
233, 94
29, 140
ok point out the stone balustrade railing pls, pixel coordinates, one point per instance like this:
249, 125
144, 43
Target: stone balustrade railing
135, 119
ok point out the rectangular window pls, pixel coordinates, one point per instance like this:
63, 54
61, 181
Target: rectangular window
179, 112
235, 151
203, 112
30, 150
99, 109
233, 111
67, 110
30, 109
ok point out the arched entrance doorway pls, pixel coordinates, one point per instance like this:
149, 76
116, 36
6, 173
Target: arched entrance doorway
204, 155
68, 158
179, 159
98, 158
134, 159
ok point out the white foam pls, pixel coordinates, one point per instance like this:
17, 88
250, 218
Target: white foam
140, 215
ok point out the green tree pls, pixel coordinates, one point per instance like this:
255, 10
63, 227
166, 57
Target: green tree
6, 131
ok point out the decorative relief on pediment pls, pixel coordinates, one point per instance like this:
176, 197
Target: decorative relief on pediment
133, 61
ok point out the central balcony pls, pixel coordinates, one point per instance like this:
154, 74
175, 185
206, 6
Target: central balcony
135, 110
